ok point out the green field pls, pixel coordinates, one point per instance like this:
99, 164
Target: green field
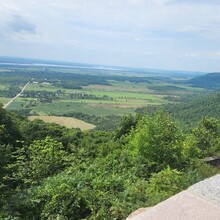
59, 91
63, 107
4, 100
44, 87
124, 98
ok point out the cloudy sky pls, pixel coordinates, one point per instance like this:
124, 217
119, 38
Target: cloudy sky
162, 34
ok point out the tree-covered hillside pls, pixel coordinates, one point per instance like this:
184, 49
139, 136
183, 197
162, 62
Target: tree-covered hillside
209, 81
193, 109
51, 172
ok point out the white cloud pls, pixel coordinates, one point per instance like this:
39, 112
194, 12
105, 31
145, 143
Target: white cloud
191, 55
162, 27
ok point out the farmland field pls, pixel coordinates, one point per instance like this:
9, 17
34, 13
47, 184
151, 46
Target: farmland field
65, 107
4, 100
107, 100
87, 92
64, 121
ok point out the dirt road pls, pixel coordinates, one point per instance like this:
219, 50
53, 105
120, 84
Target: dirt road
7, 104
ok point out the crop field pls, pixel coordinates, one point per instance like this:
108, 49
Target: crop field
19, 103
65, 106
120, 86
44, 87
91, 92
4, 100
118, 99
65, 121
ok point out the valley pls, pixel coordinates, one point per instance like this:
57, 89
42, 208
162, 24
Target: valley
103, 92
81, 141
107, 107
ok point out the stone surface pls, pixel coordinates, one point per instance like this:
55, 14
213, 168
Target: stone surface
137, 212
199, 202
209, 188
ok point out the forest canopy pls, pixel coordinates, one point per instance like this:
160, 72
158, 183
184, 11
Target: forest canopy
51, 172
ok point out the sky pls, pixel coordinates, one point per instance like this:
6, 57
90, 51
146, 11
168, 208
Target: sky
159, 34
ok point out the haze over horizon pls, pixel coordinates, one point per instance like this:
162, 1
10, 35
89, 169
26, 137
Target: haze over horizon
158, 34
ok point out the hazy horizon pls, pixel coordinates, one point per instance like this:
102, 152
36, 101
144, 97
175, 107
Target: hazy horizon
71, 64
152, 34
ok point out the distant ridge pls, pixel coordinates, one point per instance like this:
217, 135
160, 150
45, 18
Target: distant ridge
193, 110
209, 81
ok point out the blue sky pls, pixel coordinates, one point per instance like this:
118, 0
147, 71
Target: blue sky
162, 34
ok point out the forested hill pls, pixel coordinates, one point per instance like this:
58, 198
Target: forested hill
210, 81
193, 110
52, 172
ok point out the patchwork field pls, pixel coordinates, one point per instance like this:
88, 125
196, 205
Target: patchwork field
117, 98
65, 121
87, 94
100, 100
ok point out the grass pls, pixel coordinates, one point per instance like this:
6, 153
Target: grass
125, 95
62, 107
120, 86
4, 100
43, 87
17, 104
65, 121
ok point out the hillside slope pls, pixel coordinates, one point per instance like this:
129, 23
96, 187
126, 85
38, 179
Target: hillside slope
192, 111
210, 81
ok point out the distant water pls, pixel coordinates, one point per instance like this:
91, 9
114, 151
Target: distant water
13, 61
60, 65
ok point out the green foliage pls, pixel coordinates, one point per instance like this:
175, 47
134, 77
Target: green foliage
5, 182
194, 108
202, 170
41, 159
127, 123
38, 130
101, 122
87, 191
157, 142
168, 182
190, 149
197, 171
11, 92
51, 172
9, 133
207, 137
164, 184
